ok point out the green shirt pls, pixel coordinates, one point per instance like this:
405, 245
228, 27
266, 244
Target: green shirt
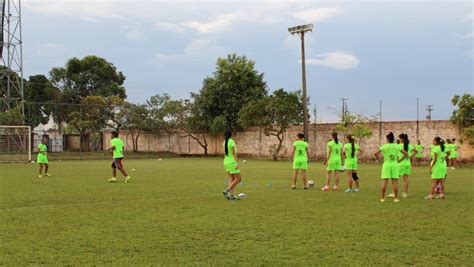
432, 147
300, 150
229, 158
406, 161
441, 160
42, 148
336, 150
348, 149
390, 154
420, 149
448, 147
118, 144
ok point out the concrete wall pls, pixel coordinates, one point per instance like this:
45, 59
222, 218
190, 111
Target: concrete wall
254, 142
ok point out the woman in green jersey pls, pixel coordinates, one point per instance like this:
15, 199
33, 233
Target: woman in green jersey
333, 162
300, 160
390, 169
350, 154
405, 165
419, 156
43, 158
230, 165
438, 167
453, 153
449, 147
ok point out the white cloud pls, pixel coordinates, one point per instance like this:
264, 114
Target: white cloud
336, 60
196, 50
218, 24
134, 33
317, 14
169, 27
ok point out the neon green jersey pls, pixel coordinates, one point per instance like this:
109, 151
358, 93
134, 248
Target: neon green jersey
448, 147
432, 147
118, 144
390, 154
300, 149
229, 158
348, 149
420, 149
441, 159
406, 161
42, 148
336, 150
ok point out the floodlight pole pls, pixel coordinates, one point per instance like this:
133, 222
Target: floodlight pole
300, 30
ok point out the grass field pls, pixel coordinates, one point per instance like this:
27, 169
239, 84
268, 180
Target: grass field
173, 213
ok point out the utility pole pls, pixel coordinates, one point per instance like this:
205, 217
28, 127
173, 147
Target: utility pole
430, 109
300, 30
344, 109
417, 119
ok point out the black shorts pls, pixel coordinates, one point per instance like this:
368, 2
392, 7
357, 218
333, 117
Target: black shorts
117, 163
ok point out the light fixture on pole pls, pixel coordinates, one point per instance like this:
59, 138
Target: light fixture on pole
301, 30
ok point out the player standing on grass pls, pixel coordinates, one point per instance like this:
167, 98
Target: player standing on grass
390, 169
420, 148
230, 165
43, 158
333, 162
454, 154
300, 160
117, 147
351, 153
405, 164
438, 167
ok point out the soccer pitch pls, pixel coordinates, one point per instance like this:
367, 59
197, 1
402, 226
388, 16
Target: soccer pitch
173, 213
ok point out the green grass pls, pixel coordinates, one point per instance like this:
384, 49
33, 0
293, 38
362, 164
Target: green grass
173, 213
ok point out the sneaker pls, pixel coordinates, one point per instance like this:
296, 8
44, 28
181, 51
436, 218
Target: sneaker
326, 188
382, 200
396, 200
404, 195
356, 190
391, 195
47, 174
39, 176
232, 197
348, 190
335, 188
226, 195
293, 187
306, 188
127, 179
429, 197
112, 180
441, 196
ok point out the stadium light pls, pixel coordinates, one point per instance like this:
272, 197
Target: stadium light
300, 30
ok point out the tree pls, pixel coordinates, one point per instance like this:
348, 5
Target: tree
463, 115
234, 84
355, 125
275, 113
40, 96
12, 117
90, 76
133, 118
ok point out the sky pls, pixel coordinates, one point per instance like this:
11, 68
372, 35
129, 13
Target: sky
365, 51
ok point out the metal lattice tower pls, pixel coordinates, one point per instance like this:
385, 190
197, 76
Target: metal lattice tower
11, 69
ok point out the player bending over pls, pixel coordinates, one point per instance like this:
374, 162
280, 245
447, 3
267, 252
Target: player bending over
117, 149
230, 165
43, 158
300, 160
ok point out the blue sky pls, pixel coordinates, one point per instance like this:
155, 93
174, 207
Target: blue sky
365, 51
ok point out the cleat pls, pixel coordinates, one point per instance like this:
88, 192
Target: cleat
356, 190
47, 174
293, 187
404, 195
392, 195
348, 190
396, 200
226, 195
429, 197
382, 200
335, 188
112, 180
326, 188
128, 179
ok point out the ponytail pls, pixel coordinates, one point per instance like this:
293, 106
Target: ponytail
406, 142
227, 136
440, 142
334, 136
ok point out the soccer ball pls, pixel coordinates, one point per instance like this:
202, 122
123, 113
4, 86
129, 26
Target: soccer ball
242, 196
133, 169
244, 161
311, 183
160, 159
